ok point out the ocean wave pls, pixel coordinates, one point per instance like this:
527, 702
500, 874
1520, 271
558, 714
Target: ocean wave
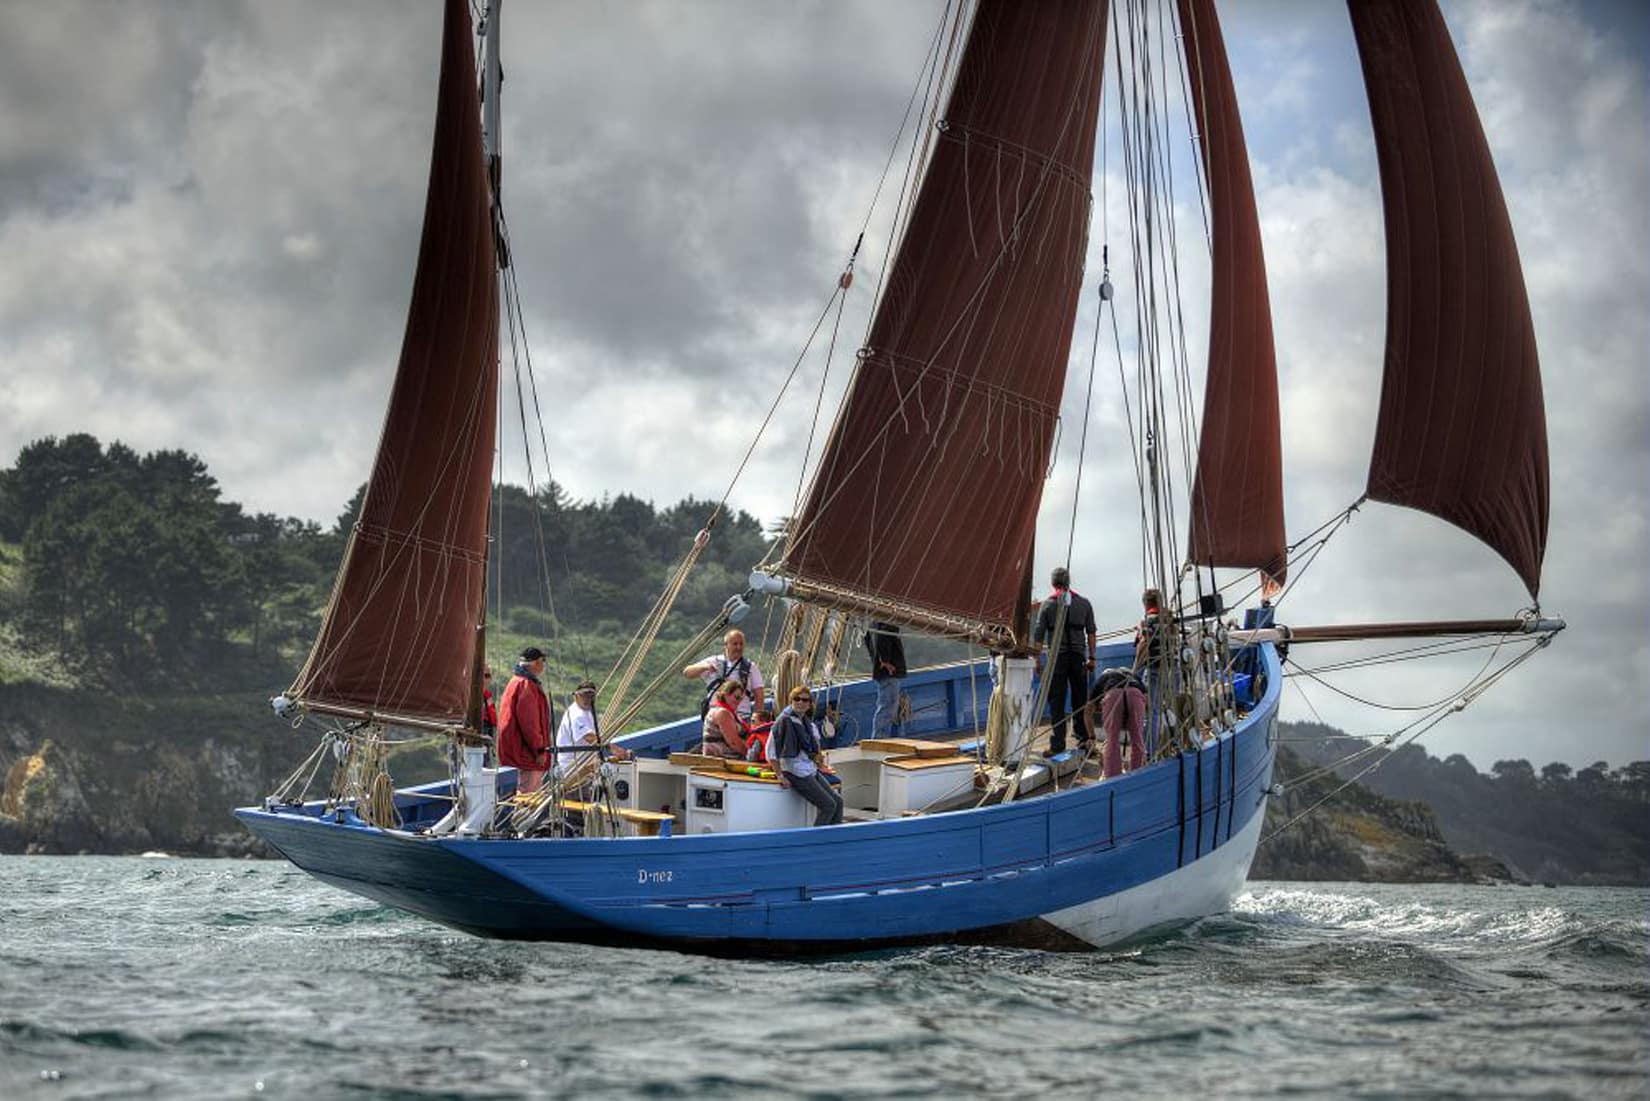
367, 915
115, 1039
1443, 921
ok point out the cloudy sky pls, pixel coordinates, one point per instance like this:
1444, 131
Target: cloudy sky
209, 212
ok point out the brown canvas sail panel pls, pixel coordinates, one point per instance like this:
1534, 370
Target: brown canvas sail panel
1237, 494
400, 631
1462, 432
927, 493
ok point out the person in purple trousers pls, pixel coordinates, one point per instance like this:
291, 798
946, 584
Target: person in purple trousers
1122, 703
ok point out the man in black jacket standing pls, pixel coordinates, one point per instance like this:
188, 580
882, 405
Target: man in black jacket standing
887, 652
1072, 662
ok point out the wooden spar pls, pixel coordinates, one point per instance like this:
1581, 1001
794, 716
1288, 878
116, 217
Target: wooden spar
843, 599
381, 718
1358, 632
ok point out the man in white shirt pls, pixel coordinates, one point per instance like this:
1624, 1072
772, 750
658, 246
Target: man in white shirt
731, 663
578, 726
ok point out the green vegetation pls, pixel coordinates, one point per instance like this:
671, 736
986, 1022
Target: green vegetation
145, 620
132, 573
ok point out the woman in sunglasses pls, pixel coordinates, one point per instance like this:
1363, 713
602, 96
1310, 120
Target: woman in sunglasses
796, 752
725, 734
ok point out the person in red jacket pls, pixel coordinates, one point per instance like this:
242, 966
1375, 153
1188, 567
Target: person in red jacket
524, 722
489, 713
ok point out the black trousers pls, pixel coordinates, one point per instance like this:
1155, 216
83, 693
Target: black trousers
1068, 680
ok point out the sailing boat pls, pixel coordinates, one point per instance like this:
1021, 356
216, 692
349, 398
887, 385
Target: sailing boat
921, 512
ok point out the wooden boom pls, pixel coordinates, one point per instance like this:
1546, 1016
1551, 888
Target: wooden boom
1357, 632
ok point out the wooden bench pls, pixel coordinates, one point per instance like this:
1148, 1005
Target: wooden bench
647, 823
911, 764
909, 747
697, 760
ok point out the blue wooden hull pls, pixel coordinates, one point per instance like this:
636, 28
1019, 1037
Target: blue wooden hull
994, 873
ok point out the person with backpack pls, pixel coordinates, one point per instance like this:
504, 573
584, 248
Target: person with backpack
730, 664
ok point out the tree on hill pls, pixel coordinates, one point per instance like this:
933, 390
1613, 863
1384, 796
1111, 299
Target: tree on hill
1552, 825
137, 561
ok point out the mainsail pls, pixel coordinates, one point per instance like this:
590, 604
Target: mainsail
925, 500
1462, 432
399, 637
1237, 495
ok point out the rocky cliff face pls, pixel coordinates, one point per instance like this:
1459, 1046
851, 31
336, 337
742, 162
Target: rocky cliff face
1357, 835
86, 772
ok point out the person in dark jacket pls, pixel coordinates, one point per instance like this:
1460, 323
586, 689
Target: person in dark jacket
797, 750
887, 652
524, 722
1071, 662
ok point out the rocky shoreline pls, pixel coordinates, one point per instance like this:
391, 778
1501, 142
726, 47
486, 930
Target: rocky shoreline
1359, 836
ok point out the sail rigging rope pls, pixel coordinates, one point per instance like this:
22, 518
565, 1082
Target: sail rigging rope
1316, 679
1415, 730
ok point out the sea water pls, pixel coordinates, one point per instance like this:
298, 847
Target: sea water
129, 977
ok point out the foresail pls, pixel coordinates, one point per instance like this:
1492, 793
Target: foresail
1462, 432
926, 496
1237, 494
399, 635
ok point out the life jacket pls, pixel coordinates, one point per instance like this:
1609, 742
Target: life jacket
742, 667
712, 734
757, 748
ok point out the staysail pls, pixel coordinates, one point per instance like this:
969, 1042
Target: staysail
1462, 432
1237, 494
925, 500
398, 641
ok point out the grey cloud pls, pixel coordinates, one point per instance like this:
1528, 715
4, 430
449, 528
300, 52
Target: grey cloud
208, 218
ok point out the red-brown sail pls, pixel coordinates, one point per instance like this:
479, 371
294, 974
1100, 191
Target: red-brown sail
1237, 495
926, 496
1462, 432
400, 631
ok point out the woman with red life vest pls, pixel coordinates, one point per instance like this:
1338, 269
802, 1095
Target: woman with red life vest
524, 722
725, 735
